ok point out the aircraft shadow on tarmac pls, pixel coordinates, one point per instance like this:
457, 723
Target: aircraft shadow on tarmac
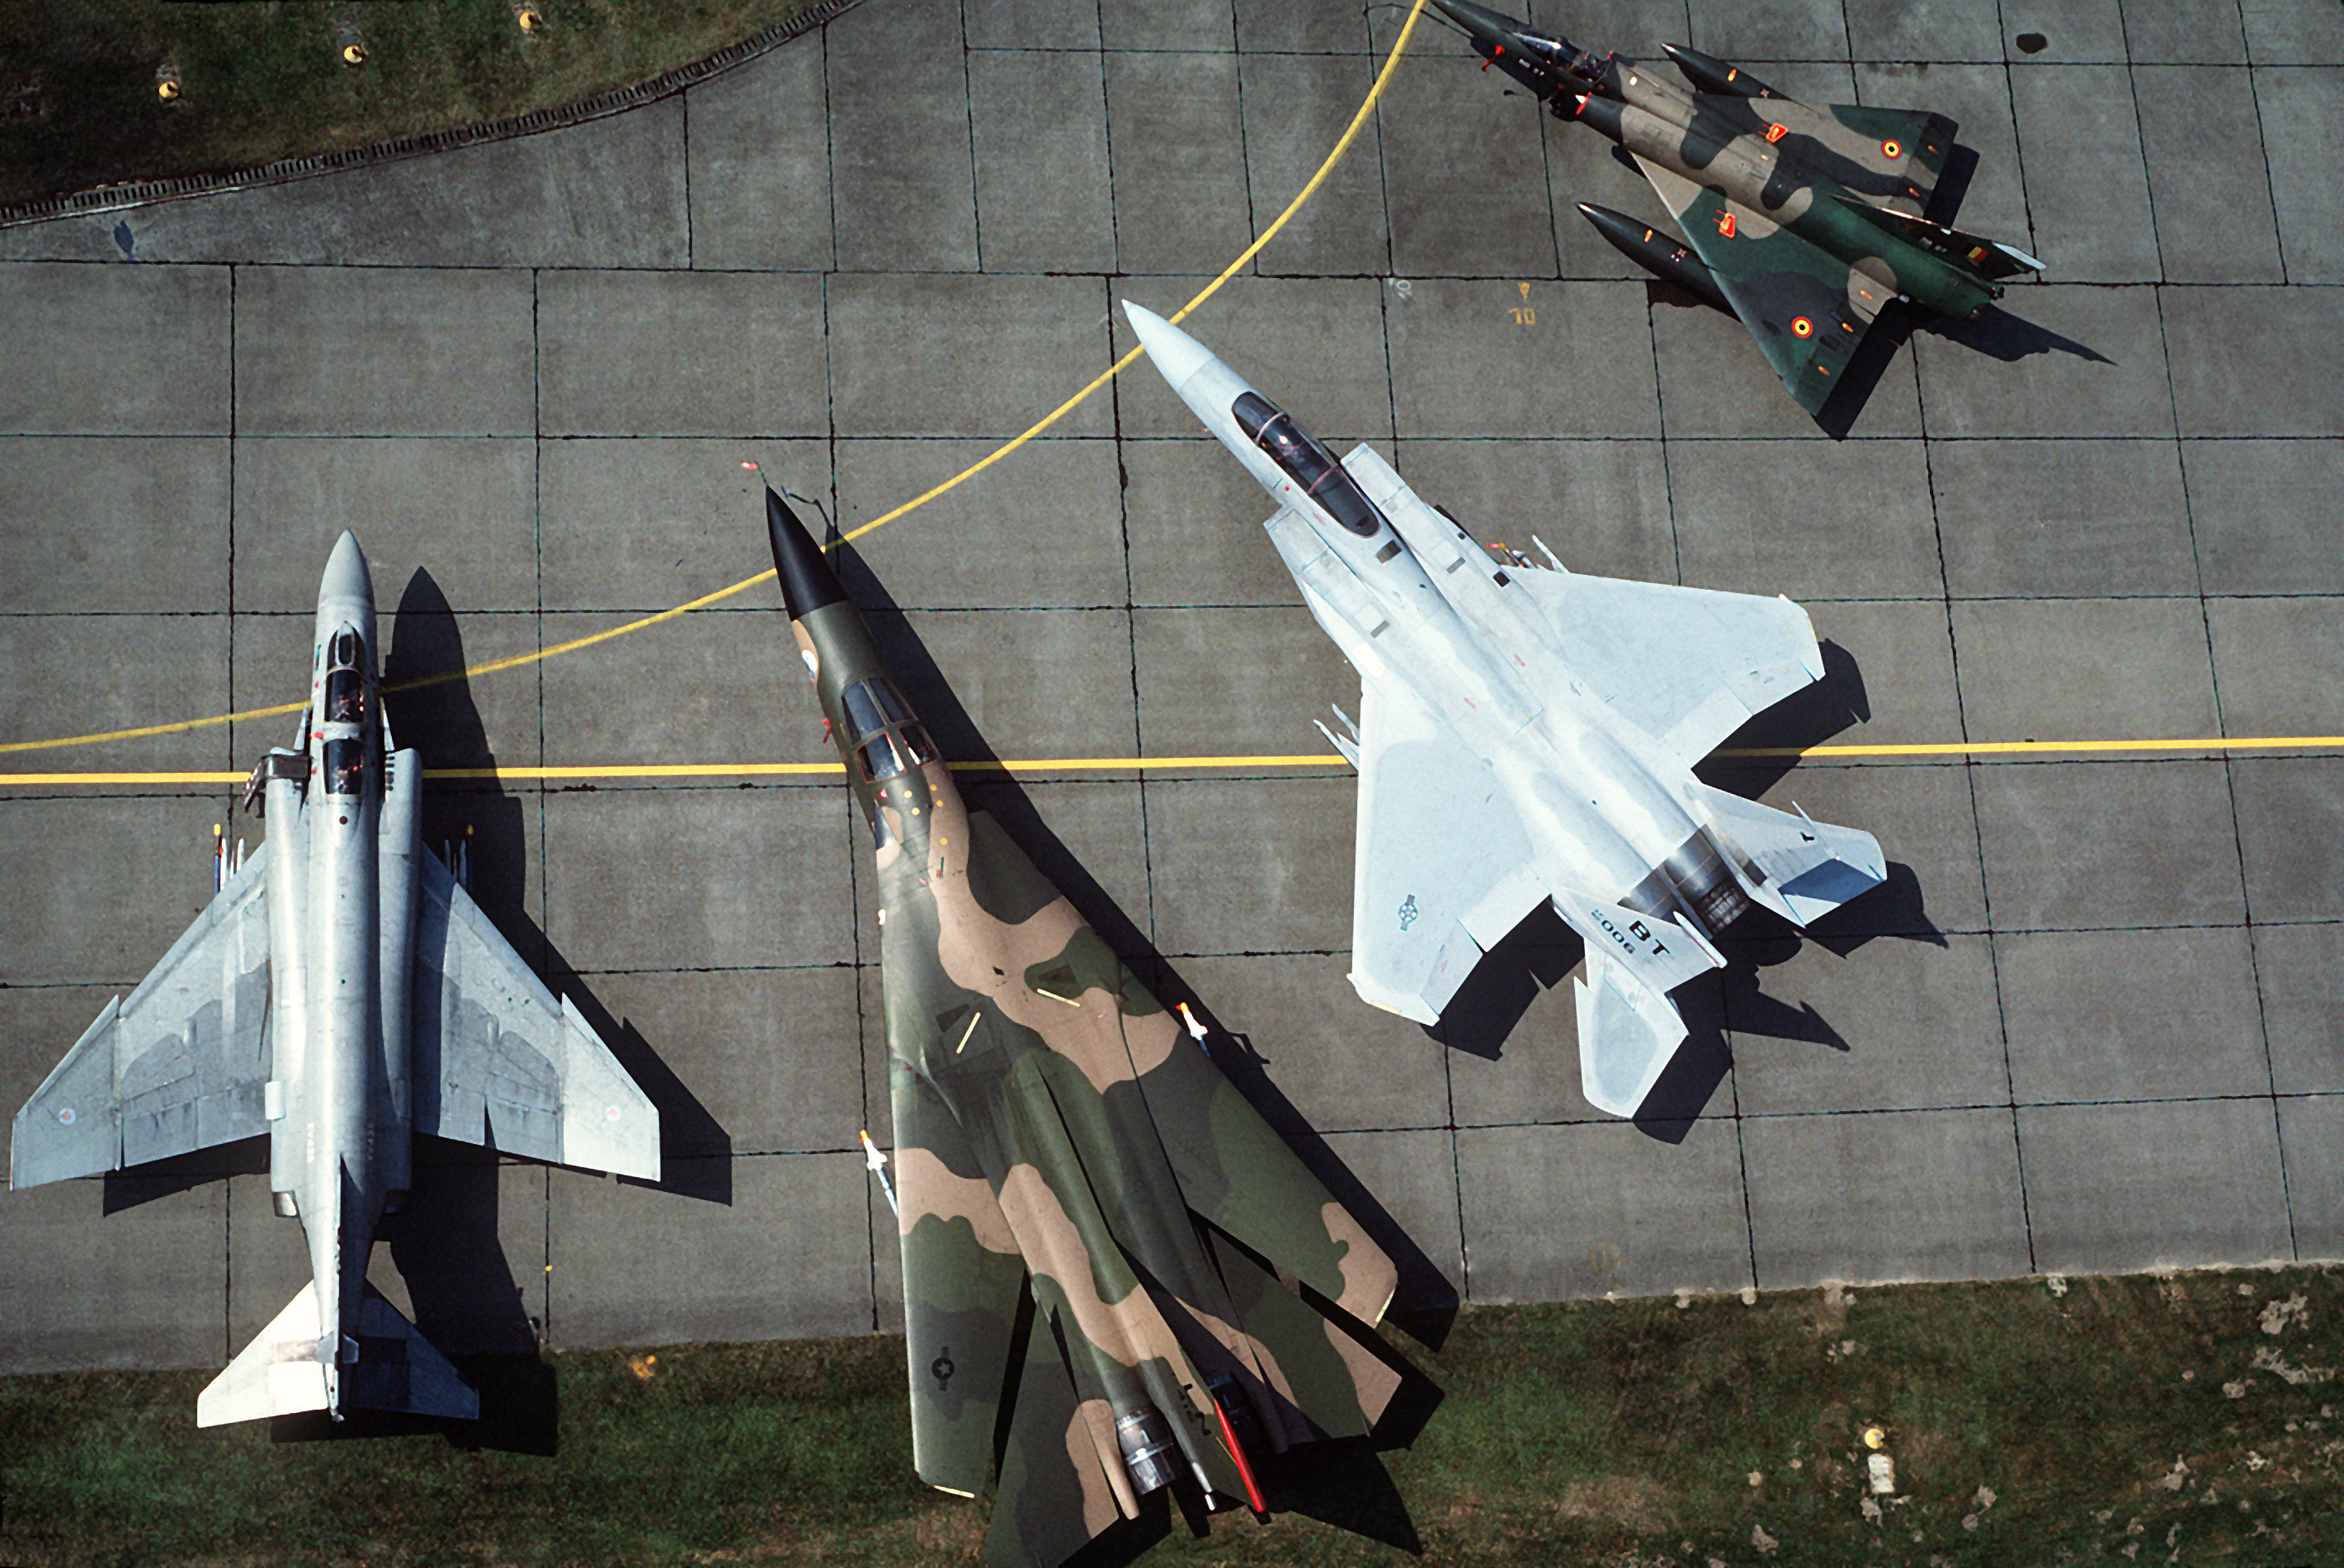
1992, 331
1343, 1484
1541, 953
445, 1242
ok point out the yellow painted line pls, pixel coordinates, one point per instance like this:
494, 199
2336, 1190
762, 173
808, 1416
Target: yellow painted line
35, 780
2023, 747
518, 775
1343, 145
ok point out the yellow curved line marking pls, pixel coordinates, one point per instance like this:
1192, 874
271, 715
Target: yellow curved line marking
1351, 134
1153, 764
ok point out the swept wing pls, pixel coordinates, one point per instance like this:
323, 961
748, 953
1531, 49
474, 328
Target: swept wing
1686, 666
1443, 869
1005, 1294
181, 1065
500, 1063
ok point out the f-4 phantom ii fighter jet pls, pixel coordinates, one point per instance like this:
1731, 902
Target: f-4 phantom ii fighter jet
1801, 222
341, 993
1084, 1202
1528, 736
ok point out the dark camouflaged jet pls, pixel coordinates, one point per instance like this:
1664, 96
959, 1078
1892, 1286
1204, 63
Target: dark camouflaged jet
1801, 222
1088, 1207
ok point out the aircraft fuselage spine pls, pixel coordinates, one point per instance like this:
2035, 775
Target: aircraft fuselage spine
343, 1147
1751, 172
1533, 734
997, 1075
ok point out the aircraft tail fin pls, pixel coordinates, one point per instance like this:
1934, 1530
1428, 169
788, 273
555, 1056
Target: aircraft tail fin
1810, 867
1990, 259
281, 1371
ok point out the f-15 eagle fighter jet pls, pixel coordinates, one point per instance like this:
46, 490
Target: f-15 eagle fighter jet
1090, 1212
1801, 222
341, 993
1528, 736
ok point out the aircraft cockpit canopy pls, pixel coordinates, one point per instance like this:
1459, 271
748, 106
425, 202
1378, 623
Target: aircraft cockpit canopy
346, 757
1307, 463
887, 739
346, 679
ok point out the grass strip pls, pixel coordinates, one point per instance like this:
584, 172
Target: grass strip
82, 100
2189, 1418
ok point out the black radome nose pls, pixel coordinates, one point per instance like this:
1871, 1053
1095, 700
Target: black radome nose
807, 581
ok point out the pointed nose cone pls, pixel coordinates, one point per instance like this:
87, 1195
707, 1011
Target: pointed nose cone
346, 572
1484, 26
1177, 355
807, 581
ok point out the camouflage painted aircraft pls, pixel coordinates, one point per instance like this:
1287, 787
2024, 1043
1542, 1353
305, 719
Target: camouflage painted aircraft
1801, 222
1084, 1202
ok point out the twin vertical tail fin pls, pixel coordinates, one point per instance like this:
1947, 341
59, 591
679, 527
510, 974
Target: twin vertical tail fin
1810, 867
284, 1371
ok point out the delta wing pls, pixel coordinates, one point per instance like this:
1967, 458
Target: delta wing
1807, 310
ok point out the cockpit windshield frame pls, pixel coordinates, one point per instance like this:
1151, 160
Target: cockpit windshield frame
887, 740
1307, 463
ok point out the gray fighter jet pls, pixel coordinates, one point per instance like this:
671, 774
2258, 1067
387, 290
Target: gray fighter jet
1528, 736
341, 993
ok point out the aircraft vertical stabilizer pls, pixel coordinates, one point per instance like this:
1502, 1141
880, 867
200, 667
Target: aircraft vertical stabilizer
279, 1373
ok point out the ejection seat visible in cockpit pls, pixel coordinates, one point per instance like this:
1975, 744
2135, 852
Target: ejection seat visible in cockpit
1307, 463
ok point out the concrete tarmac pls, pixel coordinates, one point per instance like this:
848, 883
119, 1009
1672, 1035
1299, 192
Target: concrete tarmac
2091, 1024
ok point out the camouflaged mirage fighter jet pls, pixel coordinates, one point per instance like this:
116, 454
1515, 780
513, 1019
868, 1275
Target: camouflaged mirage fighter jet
1086, 1204
341, 993
1801, 222
1527, 736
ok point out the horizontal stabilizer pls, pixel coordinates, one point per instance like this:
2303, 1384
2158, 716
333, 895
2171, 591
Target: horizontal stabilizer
280, 1372
1660, 954
1628, 1028
1810, 867
1627, 1033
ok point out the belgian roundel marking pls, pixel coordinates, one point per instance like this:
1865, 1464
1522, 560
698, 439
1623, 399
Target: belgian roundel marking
1802, 328
1891, 150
